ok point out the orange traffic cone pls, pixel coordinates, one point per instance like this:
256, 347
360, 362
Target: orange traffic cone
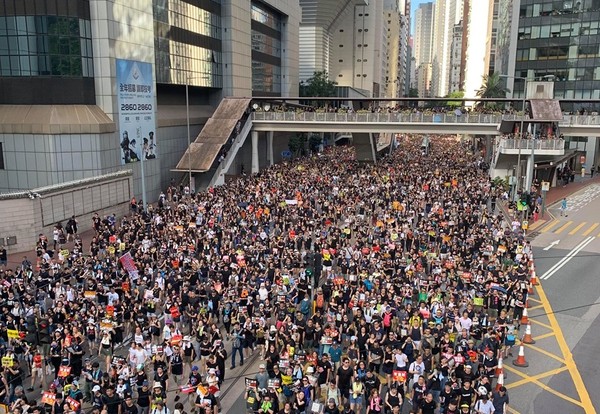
527, 303
533, 280
524, 317
530, 291
500, 382
527, 339
520, 361
500, 368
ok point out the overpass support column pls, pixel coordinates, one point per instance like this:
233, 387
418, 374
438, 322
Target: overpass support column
528, 174
255, 162
270, 147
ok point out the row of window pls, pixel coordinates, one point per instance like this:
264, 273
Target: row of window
558, 7
559, 52
266, 44
559, 30
266, 77
45, 46
564, 75
188, 17
268, 18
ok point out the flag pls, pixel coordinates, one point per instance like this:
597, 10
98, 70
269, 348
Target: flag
129, 265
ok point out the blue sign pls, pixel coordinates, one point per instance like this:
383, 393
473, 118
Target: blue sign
286, 154
135, 98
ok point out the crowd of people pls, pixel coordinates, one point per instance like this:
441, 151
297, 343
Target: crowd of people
361, 288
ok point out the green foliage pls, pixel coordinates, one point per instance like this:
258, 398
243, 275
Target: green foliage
492, 87
297, 144
455, 95
500, 182
314, 140
319, 85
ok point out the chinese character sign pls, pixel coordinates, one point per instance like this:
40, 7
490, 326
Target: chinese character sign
135, 92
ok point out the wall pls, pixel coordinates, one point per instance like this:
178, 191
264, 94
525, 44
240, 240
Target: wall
36, 160
25, 218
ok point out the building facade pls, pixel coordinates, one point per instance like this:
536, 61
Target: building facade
423, 47
561, 44
76, 51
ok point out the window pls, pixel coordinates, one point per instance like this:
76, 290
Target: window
341, 60
341, 45
341, 30
45, 45
340, 76
1, 157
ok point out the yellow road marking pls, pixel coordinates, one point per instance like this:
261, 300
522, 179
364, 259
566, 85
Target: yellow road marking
576, 229
584, 396
534, 307
547, 388
541, 324
534, 300
543, 351
560, 230
537, 224
512, 410
550, 226
528, 379
544, 336
591, 229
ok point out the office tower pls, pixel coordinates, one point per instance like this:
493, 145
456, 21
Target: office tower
447, 14
84, 54
423, 47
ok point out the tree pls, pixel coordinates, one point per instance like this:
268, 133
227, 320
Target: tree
492, 87
314, 140
455, 95
297, 144
318, 85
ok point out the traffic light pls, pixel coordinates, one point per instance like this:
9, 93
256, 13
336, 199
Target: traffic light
43, 332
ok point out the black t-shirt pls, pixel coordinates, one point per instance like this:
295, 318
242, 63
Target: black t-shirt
125, 409
466, 396
427, 407
345, 377
112, 403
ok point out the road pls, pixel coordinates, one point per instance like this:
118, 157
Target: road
566, 314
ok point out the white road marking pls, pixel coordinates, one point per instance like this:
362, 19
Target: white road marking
567, 258
554, 243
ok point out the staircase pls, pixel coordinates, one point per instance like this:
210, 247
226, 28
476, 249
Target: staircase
218, 177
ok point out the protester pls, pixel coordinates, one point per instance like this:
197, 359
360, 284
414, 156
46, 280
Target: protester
349, 279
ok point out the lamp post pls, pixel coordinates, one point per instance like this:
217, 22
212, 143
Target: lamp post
187, 117
517, 187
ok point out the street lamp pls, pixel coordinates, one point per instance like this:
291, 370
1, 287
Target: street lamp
517, 187
187, 116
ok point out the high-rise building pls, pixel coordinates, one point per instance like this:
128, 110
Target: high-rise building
85, 55
423, 47
392, 18
359, 53
561, 44
477, 30
423, 37
456, 61
404, 54
448, 13
320, 19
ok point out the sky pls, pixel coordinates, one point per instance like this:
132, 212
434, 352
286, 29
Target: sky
414, 5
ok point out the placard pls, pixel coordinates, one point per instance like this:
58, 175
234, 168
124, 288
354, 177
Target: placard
399, 376
251, 383
48, 398
64, 371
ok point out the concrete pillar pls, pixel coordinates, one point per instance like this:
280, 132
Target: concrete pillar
270, 147
255, 162
529, 173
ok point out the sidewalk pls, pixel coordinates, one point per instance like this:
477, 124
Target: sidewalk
15, 258
559, 192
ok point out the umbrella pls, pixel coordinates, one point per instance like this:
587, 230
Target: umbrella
500, 289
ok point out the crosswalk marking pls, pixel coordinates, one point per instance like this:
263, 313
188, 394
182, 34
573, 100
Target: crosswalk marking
550, 226
591, 229
576, 229
560, 230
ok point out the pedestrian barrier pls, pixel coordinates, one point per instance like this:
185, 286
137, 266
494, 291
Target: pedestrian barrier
520, 361
527, 339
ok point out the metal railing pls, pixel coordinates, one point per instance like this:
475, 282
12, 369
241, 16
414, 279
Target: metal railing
416, 117
527, 144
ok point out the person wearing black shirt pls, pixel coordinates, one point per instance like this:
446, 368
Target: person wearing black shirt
344, 378
143, 398
371, 383
111, 401
427, 405
447, 395
128, 406
466, 394
324, 368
